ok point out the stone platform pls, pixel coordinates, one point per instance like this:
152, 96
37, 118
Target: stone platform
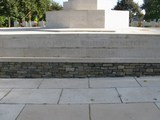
80, 99
42, 52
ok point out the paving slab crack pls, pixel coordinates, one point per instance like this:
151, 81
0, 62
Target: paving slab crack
40, 83
6, 94
20, 112
156, 106
138, 82
90, 117
60, 96
119, 95
89, 86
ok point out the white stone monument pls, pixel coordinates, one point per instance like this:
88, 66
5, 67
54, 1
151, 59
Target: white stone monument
87, 14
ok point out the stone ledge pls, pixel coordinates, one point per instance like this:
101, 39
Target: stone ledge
97, 31
79, 60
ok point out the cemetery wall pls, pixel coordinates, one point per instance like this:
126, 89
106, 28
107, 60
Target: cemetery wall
79, 55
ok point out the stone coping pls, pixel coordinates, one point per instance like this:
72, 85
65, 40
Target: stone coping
79, 60
36, 31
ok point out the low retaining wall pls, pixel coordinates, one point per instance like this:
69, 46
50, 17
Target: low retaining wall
76, 70
82, 46
37, 54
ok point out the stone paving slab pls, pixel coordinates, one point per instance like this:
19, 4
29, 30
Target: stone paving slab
149, 81
143, 111
20, 83
32, 96
143, 94
113, 82
74, 96
55, 112
64, 83
9, 112
3, 92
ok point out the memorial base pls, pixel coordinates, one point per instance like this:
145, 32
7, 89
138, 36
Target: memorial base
80, 53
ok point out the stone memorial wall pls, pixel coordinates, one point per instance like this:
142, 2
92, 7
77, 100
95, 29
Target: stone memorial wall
64, 55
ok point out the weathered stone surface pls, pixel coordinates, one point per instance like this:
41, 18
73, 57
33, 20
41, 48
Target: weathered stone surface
113, 82
64, 83
32, 96
120, 67
138, 111
20, 83
9, 111
75, 96
149, 70
3, 92
55, 112
145, 94
149, 81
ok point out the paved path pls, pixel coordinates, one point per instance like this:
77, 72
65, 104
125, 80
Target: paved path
125, 98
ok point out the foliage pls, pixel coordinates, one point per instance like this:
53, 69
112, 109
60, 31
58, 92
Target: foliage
54, 6
130, 5
8, 8
26, 9
2, 21
152, 8
30, 8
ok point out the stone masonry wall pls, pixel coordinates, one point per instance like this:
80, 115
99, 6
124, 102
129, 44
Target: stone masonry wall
79, 70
